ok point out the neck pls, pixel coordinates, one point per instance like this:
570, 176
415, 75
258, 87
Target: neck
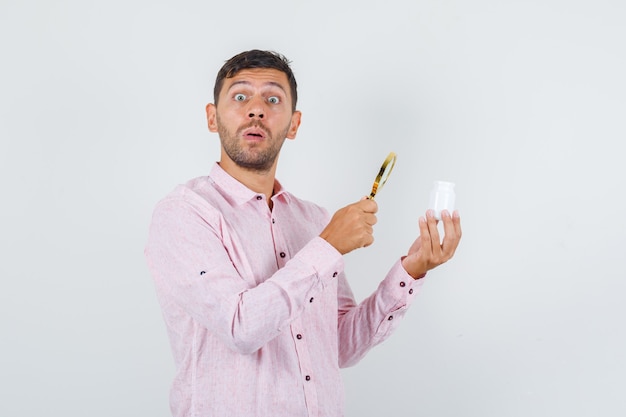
258, 181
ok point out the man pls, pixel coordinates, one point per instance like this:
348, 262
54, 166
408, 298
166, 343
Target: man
250, 278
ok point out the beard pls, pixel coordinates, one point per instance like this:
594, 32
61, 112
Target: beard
259, 157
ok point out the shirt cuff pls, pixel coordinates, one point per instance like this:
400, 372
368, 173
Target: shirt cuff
323, 258
398, 287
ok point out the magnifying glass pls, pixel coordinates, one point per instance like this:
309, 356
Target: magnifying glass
383, 174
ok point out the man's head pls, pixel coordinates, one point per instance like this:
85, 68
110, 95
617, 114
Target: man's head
254, 110
256, 59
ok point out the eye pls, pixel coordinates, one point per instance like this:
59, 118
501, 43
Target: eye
240, 97
273, 100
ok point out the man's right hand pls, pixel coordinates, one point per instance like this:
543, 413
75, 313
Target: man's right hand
352, 226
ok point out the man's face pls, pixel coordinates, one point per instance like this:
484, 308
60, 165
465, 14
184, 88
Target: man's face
253, 117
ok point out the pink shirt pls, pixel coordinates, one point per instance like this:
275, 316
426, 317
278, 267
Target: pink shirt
258, 310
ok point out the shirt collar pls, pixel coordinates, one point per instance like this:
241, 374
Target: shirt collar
238, 191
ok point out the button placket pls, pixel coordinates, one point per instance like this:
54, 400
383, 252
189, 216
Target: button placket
304, 359
278, 243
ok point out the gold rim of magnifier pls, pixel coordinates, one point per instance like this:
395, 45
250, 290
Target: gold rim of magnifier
391, 159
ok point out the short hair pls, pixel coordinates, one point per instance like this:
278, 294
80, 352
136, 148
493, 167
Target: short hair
256, 58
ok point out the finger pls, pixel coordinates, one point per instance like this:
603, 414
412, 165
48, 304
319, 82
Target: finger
450, 240
453, 235
448, 224
368, 206
435, 240
370, 219
426, 239
368, 240
456, 220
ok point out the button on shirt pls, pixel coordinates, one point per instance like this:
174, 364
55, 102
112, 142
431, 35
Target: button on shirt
258, 310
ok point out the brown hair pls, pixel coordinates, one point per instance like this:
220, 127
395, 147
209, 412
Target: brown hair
256, 59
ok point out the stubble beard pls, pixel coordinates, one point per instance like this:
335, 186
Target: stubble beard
251, 156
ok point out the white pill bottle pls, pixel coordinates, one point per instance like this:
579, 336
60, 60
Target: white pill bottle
442, 197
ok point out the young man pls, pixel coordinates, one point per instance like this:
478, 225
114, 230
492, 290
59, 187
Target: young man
250, 278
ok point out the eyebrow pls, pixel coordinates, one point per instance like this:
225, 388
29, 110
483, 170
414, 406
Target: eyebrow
248, 83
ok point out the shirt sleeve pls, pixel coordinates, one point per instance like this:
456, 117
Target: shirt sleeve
192, 268
363, 326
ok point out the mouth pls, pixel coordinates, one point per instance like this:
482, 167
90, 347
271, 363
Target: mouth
254, 134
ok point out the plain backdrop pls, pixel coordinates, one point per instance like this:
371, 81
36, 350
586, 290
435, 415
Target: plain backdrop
520, 103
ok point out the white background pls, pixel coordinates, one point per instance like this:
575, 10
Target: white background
520, 103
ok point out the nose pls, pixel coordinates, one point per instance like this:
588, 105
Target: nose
252, 115
256, 109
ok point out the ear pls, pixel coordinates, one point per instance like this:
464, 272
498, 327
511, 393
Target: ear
295, 124
211, 117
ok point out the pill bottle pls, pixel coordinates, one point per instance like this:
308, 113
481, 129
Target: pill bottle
442, 197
